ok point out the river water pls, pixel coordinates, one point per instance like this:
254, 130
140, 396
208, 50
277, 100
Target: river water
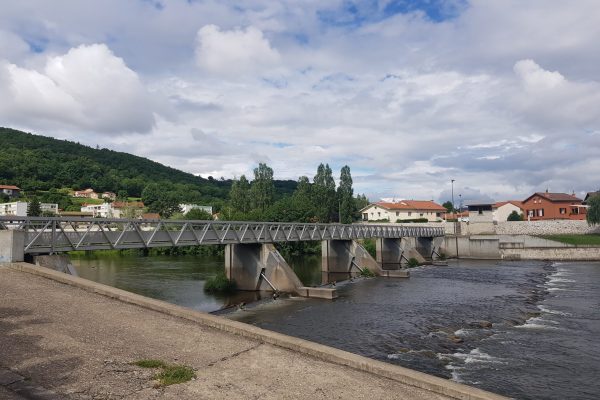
528, 330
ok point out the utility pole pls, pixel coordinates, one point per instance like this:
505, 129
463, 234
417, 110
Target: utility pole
456, 217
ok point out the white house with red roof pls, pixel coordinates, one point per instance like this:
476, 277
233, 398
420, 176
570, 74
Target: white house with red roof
502, 209
403, 210
10, 190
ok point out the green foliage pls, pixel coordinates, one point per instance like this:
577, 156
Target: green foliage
448, 206
443, 256
150, 363
413, 262
239, 195
589, 240
593, 212
197, 214
219, 284
323, 194
160, 200
370, 246
367, 273
174, 374
262, 189
345, 196
34, 209
412, 220
515, 216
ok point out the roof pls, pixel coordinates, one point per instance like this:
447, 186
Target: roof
554, 197
9, 187
410, 205
503, 203
151, 216
591, 194
123, 204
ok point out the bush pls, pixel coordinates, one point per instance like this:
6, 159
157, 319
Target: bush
413, 262
442, 256
369, 245
515, 216
367, 273
219, 284
412, 220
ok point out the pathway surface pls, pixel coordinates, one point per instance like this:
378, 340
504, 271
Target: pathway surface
64, 342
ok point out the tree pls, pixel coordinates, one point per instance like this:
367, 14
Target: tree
34, 209
593, 211
239, 195
345, 196
324, 196
448, 206
122, 195
262, 188
515, 216
197, 215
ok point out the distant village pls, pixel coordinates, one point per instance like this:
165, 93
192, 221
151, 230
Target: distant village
536, 207
108, 207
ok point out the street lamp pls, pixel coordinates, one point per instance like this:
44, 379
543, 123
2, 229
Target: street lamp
456, 218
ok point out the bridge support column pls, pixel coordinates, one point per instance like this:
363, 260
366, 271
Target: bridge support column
12, 244
258, 267
343, 259
57, 262
429, 247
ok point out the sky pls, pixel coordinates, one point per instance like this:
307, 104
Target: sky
502, 96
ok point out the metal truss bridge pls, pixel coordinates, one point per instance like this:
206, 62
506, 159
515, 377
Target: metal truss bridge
56, 234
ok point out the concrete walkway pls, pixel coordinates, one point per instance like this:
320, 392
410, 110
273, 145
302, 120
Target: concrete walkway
61, 341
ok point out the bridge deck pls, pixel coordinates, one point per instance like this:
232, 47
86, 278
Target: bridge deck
44, 235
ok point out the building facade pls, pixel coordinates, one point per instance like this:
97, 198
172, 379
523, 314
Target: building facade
544, 205
501, 210
10, 191
403, 210
186, 208
21, 208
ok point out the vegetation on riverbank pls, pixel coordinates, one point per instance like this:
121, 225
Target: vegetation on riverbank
219, 284
589, 240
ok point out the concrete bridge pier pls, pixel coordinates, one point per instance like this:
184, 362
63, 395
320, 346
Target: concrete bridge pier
343, 259
260, 267
57, 262
12, 243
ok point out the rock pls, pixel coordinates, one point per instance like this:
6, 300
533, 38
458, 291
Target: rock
485, 324
455, 339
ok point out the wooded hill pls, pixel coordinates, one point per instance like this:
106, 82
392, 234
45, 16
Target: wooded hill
39, 163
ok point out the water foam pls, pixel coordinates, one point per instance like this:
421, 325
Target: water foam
549, 311
478, 356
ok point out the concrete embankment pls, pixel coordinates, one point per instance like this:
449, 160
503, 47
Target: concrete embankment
516, 247
76, 338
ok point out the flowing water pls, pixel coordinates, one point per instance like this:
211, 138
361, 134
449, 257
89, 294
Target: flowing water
527, 330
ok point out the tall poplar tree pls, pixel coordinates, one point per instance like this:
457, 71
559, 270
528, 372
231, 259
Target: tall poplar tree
324, 195
345, 196
239, 195
262, 189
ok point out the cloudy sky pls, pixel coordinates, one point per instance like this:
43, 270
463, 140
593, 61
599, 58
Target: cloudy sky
502, 96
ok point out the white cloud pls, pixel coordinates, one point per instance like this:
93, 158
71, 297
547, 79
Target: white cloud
86, 88
234, 52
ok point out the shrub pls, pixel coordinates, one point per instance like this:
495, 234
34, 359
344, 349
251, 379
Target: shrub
367, 273
219, 284
369, 245
412, 220
515, 216
413, 262
173, 374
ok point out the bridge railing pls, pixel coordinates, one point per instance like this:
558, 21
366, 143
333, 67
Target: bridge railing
47, 234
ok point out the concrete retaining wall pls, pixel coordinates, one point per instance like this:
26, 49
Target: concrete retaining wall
554, 227
555, 254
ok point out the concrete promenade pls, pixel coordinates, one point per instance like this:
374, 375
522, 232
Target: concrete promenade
68, 338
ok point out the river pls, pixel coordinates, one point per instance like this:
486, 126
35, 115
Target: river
527, 330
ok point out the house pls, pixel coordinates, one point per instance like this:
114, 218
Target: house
10, 191
108, 196
104, 210
128, 209
502, 209
590, 195
87, 193
150, 216
460, 216
480, 212
545, 205
21, 208
403, 210
186, 208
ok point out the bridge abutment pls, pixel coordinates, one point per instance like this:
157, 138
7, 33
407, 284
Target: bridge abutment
57, 262
260, 267
12, 244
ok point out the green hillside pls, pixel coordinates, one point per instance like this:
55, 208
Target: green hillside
38, 163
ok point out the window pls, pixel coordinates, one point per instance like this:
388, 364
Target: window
438, 214
480, 211
540, 212
378, 214
397, 213
409, 213
575, 210
530, 213
420, 215
562, 210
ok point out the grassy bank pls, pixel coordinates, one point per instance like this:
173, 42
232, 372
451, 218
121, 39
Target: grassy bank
592, 240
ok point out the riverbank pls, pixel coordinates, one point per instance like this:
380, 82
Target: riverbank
78, 341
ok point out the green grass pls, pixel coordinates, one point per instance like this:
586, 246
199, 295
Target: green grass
413, 262
593, 240
169, 374
150, 363
174, 374
81, 200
